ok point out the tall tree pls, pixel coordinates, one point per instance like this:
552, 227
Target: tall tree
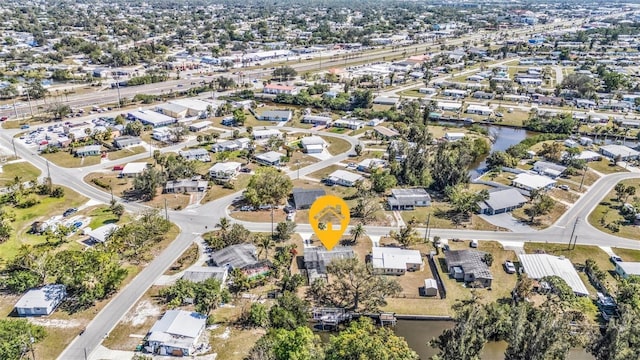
621, 338
467, 338
357, 231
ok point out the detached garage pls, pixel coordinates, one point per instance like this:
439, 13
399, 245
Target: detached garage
41, 301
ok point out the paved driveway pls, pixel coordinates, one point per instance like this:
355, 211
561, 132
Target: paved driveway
507, 221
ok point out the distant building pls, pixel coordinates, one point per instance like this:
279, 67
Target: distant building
532, 182
479, 110
265, 134
408, 199
41, 301
316, 120
395, 261
454, 136
185, 186
176, 333
231, 145
126, 141
279, 89
344, 178
89, 150
270, 158
313, 144
351, 124
276, 115
468, 266
225, 170
198, 154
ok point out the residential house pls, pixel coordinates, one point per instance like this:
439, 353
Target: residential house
100, 234
148, 117
344, 178
532, 182
198, 154
570, 143
386, 133
199, 126
176, 333
427, 91
163, 134
225, 170
241, 256
624, 152
185, 186
231, 145
454, 136
41, 301
228, 121
408, 199
468, 266
89, 150
395, 261
549, 169
501, 201
133, 169
316, 259
276, 89
368, 165
585, 141
538, 266
483, 95
265, 134
126, 141
448, 106
316, 120
304, 198
384, 100
313, 144
270, 158
203, 273
627, 268
454, 93
479, 110
351, 124
276, 115
588, 155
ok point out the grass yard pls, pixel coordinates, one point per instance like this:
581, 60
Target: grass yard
627, 254
101, 215
65, 159
605, 166
589, 178
606, 216
104, 180
323, 173
47, 208
563, 195
542, 221
217, 191
440, 219
135, 150
336, 146
22, 169
188, 258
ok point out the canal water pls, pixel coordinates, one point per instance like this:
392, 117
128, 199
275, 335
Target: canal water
418, 333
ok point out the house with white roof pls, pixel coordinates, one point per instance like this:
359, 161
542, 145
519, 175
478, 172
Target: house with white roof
176, 333
448, 106
313, 144
231, 145
198, 154
172, 110
624, 152
195, 107
148, 117
454, 136
395, 261
344, 178
549, 169
479, 110
627, 268
351, 124
41, 301
265, 134
163, 134
100, 234
532, 182
316, 120
276, 89
537, 266
270, 158
276, 115
133, 169
225, 170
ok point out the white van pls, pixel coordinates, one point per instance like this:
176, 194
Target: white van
474, 243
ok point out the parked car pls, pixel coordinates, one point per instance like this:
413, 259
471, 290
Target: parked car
290, 216
474, 243
509, 267
69, 211
245, 170
25, 126
615, 259
264, 207
564, 187
289, 209
247, 208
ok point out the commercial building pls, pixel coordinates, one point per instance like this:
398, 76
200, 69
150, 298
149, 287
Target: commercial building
148, 117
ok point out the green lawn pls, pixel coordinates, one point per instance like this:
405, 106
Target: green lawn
25, 217
607, 213
323, 173
336, 146
64, 159
627, 254
135, 150
541, 221
217, 191
440, 219
605, 166
24, 170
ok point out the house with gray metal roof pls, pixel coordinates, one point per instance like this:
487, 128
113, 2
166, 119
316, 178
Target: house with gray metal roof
501, 201
89, 150
304, 198
270, 158
549, 169
41, 301
185, 186
316, 259
344, 178
313, 144
316, 120
408, 199
468, 266
202, 273
176, 333
236, 256
537, 266
276, 115
627, 268
199, 154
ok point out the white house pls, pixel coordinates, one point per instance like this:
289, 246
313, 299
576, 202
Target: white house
453, 136
549, 169
198, 154
570, 143
265, 134
537, 266
624, 152
395, 261
163, 134
101, 233
627, 268
41, 301
479, 110
270, 158
276, 89
344, 178
176, 333
352, 124
316, 120
231, 145
133, 169
449, 106
313, 144
533, 182
225, 170
585, 141
276, 115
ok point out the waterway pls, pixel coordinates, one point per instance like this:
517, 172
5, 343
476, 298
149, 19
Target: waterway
418, 333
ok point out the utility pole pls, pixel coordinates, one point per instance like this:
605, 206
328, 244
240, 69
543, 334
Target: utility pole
584, 172
13, 143
166, 211
298, 165
575, 240
426, 230
572, 232
29, 100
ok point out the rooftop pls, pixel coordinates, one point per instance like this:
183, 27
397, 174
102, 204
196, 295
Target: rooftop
505, 198
470, 261
533, 181
538, 266
180, 323
237, 256
42, 297
394, 258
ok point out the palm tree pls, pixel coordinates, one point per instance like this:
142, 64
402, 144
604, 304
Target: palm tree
357, 231
224, 224
265, 243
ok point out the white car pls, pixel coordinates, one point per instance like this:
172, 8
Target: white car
509, 267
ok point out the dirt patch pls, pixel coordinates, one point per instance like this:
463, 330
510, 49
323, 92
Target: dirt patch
142, 312
55, 323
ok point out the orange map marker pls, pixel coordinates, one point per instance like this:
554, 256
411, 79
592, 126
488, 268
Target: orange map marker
329, 217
